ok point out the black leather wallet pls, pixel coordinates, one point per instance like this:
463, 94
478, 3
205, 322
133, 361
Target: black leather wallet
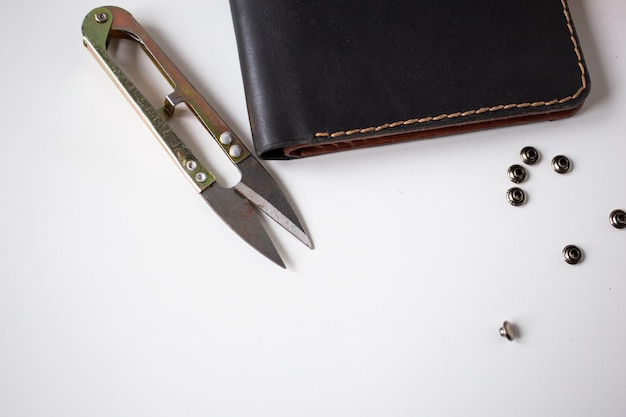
323, 76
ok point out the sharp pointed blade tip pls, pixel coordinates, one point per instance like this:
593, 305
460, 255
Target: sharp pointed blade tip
299, 234
271, 254
307, 242
276, 259
236, 211
289, 220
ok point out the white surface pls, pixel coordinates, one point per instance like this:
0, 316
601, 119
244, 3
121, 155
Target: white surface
122, 294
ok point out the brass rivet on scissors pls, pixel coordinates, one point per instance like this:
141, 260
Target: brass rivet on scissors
191, 165
235, 151
101, 17
226, 138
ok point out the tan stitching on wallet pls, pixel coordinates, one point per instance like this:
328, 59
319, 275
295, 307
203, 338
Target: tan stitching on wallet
484, 109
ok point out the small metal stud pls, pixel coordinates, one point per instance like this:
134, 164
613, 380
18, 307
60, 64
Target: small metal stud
507, 331
516, 196
226, 138
201, 177
517, 173
561, 164
235, 151
529, 155
572, 254
191, 165
618, 219
101, 17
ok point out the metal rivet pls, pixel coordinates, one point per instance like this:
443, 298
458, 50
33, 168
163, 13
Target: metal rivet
235, 151
508, 331
191, 165
561, 164
516, 196
517, 173
529, 155
572, 254
201, 177
618, 219
226, 138
101, 17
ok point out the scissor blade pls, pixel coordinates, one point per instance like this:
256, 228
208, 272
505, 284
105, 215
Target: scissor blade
239, 214
258, 186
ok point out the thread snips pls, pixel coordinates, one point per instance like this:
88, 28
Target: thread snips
234, 205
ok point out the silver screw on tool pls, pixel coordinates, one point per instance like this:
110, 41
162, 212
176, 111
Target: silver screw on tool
529, 155
191, 165
235, 151
516, 196
517, 173
618, 219
572, 254
507, 331
201, 177
561, 164
101, 17
226, 138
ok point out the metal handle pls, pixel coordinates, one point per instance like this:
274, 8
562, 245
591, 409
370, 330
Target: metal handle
104, 23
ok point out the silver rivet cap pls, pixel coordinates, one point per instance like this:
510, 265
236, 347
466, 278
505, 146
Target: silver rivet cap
572, 254
561, 164
517, 173
508, 331
618, 219
516, 196
529, 155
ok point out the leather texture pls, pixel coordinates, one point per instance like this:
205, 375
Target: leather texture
323, 76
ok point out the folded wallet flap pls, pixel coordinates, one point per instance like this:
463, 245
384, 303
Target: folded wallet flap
320, 72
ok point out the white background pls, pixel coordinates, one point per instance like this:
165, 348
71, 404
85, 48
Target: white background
123, 294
